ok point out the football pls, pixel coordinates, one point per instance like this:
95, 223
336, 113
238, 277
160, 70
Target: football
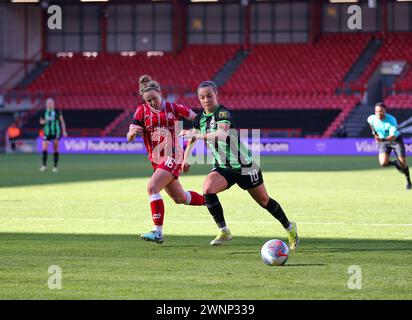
274, 252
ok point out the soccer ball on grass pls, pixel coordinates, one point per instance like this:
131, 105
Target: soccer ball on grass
274, 252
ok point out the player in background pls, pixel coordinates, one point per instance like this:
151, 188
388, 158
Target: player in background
156, 119
233, 164
385, 130
53, 127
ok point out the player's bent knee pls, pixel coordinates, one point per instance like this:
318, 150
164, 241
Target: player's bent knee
207, 190
179, 199
152, 189
263, 202
210, 189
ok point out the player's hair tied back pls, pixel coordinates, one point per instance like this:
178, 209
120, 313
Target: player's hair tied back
146, 83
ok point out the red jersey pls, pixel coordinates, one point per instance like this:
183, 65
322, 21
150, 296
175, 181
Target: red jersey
159, 134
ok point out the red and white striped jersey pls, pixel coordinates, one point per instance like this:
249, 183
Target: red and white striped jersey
159, 134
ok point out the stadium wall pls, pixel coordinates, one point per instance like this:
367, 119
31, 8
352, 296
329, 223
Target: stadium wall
141, 27
399, 14
150, 27
335, 17
20, 42
270, 23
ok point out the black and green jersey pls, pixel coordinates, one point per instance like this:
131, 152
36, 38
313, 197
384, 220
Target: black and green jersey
52, 126
229, 154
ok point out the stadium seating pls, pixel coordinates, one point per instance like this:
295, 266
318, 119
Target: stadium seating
297, 76
405, 81
277, 76
396, 46
317, 68
111, 80
344, 104
271, 101
399, 101
307, 122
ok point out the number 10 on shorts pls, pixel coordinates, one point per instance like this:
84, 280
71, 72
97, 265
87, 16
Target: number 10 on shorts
254, 175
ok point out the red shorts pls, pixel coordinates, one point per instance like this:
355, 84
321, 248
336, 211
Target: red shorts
169, 165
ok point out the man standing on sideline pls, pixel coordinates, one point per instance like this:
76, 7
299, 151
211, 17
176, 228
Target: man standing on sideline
13, 132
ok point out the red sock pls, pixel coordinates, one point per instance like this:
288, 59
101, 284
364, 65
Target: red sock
194, 199
158, 209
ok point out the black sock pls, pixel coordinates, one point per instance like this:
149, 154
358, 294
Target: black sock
395, 163
276, 210
44, 158
215, 209
398, 166
406, 172
56, 158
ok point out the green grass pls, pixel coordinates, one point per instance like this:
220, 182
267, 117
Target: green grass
87, 218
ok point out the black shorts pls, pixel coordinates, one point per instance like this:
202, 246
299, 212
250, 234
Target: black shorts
51, 137
397, 146
251, 178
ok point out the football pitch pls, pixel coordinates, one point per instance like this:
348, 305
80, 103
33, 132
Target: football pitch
354, 221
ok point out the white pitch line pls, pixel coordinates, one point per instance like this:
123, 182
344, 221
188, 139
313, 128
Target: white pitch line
205, 221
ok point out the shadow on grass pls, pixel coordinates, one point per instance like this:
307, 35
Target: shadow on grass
121, 266
23, 170
240, 245
305, 264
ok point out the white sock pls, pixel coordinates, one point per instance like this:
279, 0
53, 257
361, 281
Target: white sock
188, 197
158, 229
225, 229
290, 227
